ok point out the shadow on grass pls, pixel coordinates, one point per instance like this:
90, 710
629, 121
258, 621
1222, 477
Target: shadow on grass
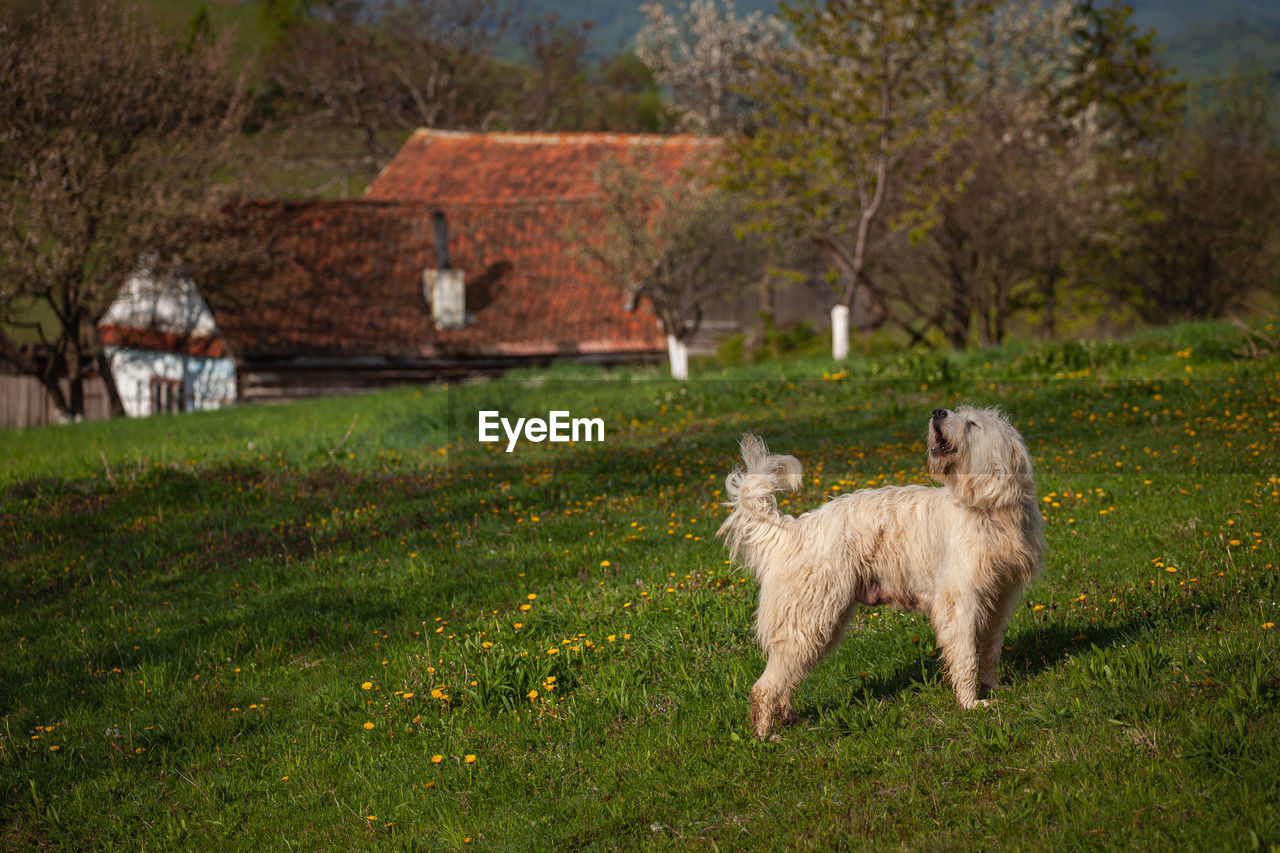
1029, 653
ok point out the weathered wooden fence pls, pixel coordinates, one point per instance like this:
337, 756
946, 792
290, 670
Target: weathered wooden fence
24, 403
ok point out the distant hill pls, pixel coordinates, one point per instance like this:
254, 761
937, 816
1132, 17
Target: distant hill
1200, 39
1203, 40
616, 22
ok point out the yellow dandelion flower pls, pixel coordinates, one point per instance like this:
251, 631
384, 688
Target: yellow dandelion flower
604, 564
469, 759
553, 651
408, 695
533, 596
437, 693
533, 694
368, 685
436, 759
368, 726
526, 606
1267, 626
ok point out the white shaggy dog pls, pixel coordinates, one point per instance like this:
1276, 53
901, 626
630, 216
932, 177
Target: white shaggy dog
961, 553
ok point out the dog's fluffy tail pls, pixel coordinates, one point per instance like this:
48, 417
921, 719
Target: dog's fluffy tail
751, 491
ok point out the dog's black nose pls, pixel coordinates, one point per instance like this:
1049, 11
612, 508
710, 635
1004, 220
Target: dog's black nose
939, 414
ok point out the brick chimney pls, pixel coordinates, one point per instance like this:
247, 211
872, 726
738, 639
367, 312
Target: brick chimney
444, 288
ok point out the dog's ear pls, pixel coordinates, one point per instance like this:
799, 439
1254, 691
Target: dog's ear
1009, 477
984, 491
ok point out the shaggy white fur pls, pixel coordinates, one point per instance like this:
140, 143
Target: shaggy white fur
961, 553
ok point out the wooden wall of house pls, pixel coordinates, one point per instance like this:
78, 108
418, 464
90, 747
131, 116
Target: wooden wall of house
24, 403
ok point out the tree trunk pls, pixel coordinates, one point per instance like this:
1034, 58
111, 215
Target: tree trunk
839, 332
75, 382
1049, 290
678, 356
108, 378
957, 319
766, 305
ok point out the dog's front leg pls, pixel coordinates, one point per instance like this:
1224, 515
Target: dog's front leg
955, 621
991, 639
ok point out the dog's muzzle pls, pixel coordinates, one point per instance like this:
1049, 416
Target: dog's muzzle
941, 446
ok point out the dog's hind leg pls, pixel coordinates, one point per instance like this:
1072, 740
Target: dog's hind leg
789, 662
771, 695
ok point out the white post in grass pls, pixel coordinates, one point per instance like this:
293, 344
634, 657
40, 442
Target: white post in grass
678, 355
839, 331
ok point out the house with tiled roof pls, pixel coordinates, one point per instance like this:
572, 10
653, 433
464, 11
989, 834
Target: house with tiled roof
167, 354
446, 168
460, 259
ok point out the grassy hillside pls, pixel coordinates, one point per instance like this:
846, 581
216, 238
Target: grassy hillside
347, 623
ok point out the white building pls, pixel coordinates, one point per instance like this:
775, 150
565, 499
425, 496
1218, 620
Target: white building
166, 352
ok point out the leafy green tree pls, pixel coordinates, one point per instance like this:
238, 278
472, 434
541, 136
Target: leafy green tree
670, 242
852, 117
708, 56
279, 17
1209, 239
111, 134
955, 160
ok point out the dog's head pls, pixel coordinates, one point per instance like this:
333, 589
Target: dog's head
979, 456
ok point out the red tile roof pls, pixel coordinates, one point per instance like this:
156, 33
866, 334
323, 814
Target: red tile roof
349, 284
453, 167
204, 346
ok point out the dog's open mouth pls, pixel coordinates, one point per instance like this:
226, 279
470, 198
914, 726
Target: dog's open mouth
941, 447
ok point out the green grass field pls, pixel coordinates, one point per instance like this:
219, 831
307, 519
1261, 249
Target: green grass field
347, 624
